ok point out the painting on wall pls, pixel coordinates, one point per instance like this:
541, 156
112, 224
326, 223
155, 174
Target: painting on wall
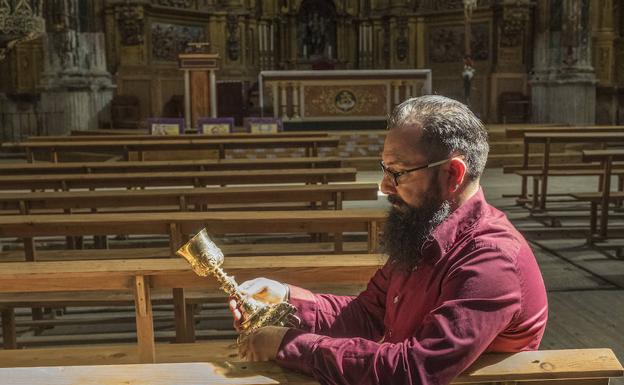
168, 40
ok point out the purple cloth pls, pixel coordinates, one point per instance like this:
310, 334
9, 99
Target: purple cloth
478, 289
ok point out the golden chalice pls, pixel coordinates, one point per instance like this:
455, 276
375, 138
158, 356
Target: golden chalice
206, 259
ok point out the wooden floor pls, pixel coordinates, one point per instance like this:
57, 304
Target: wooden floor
585, 284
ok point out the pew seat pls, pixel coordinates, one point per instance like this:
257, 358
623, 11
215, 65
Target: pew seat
555, 367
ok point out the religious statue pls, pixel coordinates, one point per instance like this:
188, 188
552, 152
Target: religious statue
314, 34
467, 74
316, 30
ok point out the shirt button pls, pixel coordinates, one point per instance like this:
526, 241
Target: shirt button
396, 299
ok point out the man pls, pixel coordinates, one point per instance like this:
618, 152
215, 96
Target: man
460, 280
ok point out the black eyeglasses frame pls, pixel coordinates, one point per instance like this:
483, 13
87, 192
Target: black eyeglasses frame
396, 175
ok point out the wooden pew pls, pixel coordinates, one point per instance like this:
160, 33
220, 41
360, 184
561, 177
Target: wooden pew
67, 182
141, 276
176, 224
517, 132
238, 135
546, 139
187, 199
161, 166
215, 362
605, 196
310, 144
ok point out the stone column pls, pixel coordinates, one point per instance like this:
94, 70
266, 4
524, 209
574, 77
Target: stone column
564, 82
75, 79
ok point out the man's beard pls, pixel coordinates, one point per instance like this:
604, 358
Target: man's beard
407, 227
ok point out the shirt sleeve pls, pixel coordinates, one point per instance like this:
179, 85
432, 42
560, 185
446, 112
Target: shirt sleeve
344, 316
479, 298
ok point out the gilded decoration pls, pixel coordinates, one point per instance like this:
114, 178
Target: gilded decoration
442, 5
352, 100
447, 43
316, 28
515, 17
130, 24
168, 40
437, 5
233, 45
402, 43
174, 3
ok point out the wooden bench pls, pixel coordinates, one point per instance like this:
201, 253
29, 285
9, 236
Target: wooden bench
162, 166
604, 196
141, 276
124, 251
538, 175
216, 362
177, 224
549, 138
187, 199
107, 137
517, 132
67, 182
310, 144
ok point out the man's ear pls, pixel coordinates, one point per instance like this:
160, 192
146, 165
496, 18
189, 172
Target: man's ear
456, 173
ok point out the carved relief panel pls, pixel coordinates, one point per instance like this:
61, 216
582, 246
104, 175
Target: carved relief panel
446, 43
130, 24
168, 39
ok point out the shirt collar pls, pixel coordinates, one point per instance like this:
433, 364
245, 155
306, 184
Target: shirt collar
460, 220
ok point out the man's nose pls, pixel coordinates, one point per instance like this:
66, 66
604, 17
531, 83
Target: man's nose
386, 186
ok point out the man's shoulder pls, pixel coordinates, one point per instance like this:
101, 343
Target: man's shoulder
494, 230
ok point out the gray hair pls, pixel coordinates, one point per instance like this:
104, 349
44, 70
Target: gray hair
448, 126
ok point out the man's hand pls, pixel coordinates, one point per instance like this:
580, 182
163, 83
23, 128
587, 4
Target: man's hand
262, 290
262, 344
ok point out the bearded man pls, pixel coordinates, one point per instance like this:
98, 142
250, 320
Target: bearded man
460, 279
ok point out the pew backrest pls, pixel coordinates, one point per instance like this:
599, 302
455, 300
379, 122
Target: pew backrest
161, 166
186, 199
182, 178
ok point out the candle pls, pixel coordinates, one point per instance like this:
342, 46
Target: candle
260, 38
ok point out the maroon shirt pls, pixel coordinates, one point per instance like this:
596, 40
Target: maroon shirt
478, 289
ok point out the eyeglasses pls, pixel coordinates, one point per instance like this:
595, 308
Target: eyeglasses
396, 175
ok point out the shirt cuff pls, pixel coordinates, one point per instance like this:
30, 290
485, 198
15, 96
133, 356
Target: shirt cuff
297, 349
305, 302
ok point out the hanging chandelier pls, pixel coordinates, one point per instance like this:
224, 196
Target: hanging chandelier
20, 20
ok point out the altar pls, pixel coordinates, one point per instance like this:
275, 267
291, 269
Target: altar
339, 95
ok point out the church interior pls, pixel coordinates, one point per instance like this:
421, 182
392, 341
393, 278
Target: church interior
127, 126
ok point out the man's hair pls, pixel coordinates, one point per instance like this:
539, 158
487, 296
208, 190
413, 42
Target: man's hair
448, 126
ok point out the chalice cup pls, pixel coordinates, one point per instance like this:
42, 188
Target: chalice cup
206, 259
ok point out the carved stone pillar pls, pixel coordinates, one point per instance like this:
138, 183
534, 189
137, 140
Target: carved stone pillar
563, 84
75, 79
